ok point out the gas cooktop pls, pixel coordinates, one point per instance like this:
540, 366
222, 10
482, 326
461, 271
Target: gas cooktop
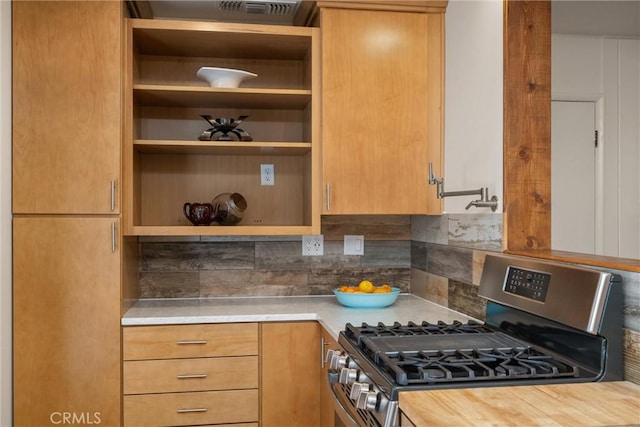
443, 353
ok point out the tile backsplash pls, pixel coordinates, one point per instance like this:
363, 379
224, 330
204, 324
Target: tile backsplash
243, 266
439, 258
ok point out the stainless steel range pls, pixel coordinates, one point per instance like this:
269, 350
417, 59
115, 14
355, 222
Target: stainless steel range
545, 323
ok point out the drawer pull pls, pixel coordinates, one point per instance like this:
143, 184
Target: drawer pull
190, 410
190, 342
187, 376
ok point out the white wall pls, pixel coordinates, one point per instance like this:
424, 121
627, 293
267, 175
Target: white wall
473, 101
5, 214
606, 70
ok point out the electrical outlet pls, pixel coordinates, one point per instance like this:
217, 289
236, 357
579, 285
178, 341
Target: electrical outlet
313, 245
267, 174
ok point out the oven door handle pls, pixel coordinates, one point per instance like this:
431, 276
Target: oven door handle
341, 411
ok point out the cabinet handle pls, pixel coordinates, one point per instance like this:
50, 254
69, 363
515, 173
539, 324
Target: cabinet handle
113, 237
323, 344
189, 410
328, 197
190, 342
188, 376
113, 195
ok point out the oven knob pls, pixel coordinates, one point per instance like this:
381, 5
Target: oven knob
357, 389
348, 375
367, 400
338, 361
330, 354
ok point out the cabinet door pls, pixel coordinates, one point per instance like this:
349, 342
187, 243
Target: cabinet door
66, 321
381, 117
327, 411
66, 106
290, 386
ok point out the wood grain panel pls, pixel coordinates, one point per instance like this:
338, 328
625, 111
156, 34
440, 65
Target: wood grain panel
66, 319
187, 409
67, 66
592, 404
184, 341
201, 374
527, 124
376, 70
327, 411
170, 181
288, 398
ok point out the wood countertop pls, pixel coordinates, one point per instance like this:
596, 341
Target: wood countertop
586, 404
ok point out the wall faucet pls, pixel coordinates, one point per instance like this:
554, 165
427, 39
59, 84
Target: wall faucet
483, 202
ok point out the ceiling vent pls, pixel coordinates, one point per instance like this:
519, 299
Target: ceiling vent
280, 8
272, 12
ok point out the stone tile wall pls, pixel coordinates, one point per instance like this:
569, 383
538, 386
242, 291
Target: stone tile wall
239, 266
447, 254
439, 258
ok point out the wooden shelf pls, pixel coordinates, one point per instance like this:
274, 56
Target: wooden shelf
217, 230
165, 165
207, 97
223, 148
218, 39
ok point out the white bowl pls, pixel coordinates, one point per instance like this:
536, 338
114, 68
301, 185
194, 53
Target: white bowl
224, 77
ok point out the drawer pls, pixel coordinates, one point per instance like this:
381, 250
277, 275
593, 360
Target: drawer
180, 409
204, 374
186, 341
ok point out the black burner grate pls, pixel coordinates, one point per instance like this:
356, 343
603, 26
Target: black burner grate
430, 353
426, 367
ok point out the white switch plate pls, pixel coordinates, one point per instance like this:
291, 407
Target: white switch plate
267, 174
353, 245
313, 245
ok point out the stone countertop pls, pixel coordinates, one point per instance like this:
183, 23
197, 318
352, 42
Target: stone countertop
324, 309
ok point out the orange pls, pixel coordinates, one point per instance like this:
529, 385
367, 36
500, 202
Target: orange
366, 286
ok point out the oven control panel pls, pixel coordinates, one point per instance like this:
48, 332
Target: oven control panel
527, 283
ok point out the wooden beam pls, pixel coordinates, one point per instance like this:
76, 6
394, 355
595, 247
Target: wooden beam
527, 124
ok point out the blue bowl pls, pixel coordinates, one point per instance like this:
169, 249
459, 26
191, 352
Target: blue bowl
380, 300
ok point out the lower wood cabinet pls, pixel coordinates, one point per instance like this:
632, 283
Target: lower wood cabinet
290, 363
191, 375
186, 409
66, 321
222, 374
327, 411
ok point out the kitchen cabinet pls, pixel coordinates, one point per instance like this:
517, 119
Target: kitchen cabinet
165, 165
191, 374
290, 385
66, 107
67, 250
382, 107
327, 411
66, 312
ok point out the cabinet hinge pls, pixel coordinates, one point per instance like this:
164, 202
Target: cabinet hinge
596, 139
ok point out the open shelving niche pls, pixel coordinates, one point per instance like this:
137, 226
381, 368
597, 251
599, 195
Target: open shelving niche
165, 165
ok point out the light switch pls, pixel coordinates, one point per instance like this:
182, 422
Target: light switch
353, 245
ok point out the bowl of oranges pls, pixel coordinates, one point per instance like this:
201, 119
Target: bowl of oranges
367, 295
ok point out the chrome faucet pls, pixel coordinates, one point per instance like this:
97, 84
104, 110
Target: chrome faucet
483, 202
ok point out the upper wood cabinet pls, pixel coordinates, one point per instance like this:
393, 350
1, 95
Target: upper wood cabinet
67, 66
382, 109
165, 165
